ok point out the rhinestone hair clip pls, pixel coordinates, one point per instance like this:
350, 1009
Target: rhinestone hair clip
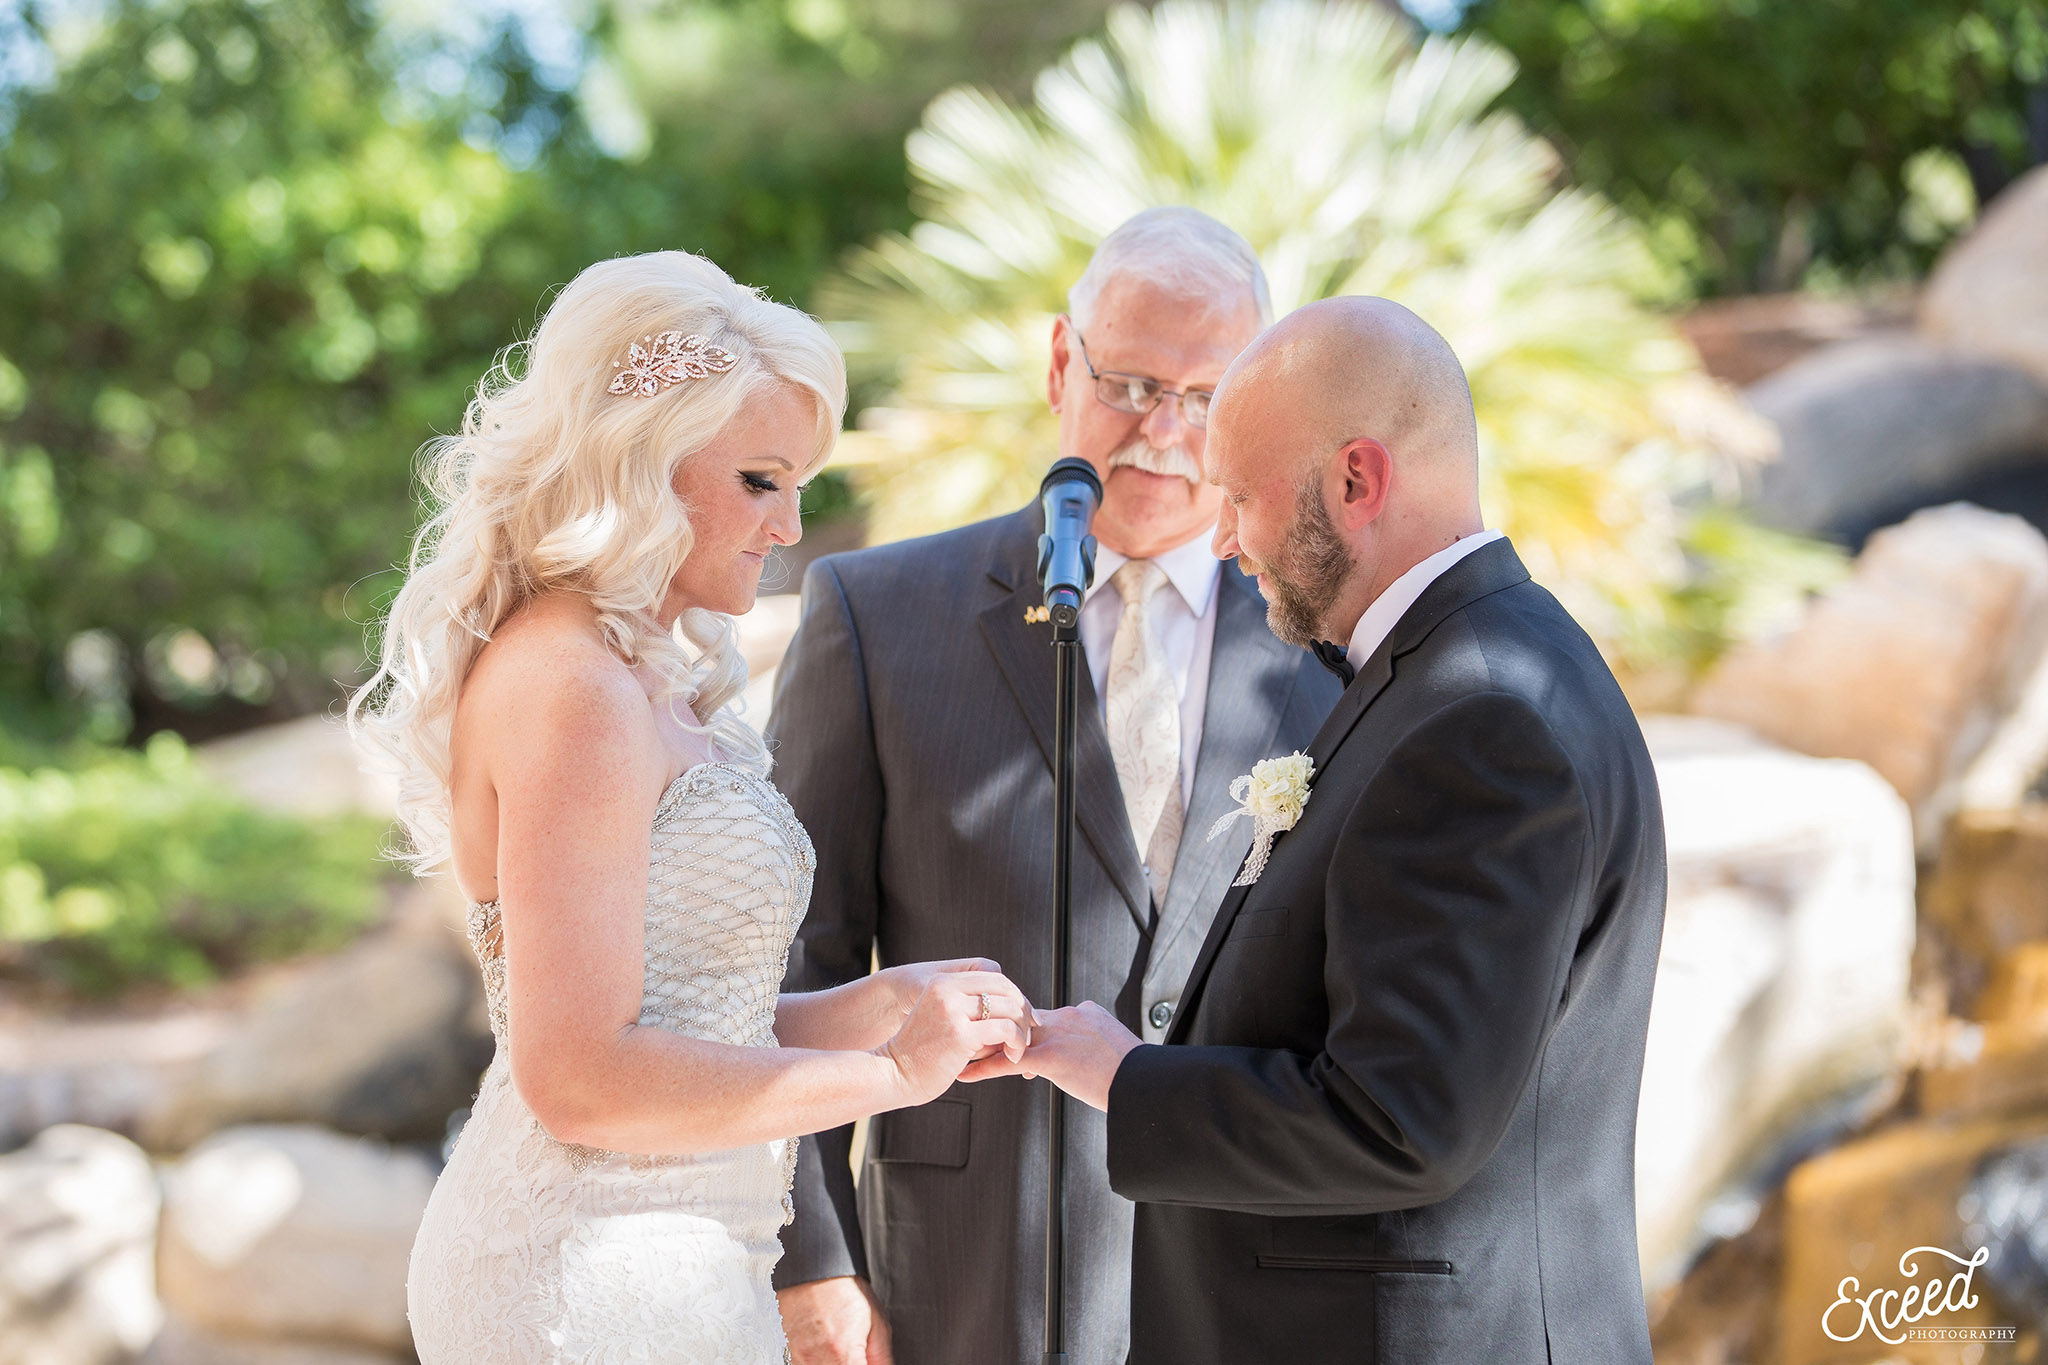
667, 359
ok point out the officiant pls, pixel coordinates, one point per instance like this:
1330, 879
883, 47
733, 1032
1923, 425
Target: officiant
913, 734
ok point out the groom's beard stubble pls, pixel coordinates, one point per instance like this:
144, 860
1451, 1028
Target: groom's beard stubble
1309, 571
1313, 562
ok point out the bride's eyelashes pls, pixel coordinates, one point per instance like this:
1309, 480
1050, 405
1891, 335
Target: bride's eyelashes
759, 483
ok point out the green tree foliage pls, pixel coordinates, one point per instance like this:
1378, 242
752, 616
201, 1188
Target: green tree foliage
1764, 138
118, 867
787, 119
254, 252
242, 283
1357, 162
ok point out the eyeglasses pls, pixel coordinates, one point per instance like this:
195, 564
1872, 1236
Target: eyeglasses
1136, 394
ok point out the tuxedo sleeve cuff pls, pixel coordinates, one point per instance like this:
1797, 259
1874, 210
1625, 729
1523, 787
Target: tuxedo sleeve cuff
805, 1261
1144, 1113
823, 1242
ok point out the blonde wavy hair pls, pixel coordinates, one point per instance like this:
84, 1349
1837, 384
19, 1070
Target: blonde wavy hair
555, 485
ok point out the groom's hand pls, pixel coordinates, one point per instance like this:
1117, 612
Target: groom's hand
834, 1322
1078, 1049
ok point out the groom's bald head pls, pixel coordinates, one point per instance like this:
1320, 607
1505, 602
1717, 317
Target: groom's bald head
1355, 367
1345, 443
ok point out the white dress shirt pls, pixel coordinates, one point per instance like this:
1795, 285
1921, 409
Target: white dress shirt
1390, 606
1184, 620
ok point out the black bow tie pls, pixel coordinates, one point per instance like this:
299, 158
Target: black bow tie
1334, 658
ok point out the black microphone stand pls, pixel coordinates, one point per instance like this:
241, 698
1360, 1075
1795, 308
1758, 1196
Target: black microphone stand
1066, 657
1066, 566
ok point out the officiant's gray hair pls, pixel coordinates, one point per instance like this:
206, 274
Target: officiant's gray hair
1179, 249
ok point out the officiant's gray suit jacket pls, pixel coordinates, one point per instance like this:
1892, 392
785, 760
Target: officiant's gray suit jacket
913, 733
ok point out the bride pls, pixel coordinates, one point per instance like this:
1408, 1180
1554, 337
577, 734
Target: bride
634, 879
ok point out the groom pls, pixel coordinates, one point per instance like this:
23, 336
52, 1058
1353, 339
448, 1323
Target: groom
1395, 1118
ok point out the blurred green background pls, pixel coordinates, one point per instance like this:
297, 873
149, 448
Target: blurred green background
254, 252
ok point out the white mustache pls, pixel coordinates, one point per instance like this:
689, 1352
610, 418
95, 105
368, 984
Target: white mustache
1172, 461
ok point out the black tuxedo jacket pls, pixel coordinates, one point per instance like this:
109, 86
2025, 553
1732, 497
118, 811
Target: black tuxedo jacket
1394, 1120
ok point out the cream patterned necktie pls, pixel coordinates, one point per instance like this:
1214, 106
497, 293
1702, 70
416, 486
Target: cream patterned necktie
1143, 716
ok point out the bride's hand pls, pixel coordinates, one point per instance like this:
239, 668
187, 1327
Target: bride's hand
960, 1015
906, 983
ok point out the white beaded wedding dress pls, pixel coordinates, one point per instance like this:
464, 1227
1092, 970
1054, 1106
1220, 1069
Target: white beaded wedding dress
535, 1251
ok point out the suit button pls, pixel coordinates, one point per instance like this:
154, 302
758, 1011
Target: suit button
1162, 1014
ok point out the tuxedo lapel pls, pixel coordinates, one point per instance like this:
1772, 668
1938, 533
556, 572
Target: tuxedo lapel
1485, 571
1248, 669
1024, 652
1482, 573
1198, 976
1364, 689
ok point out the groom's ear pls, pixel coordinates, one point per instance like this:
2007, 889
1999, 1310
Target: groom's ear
1368, 470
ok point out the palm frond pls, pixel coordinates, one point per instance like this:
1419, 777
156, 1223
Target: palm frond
1357, 161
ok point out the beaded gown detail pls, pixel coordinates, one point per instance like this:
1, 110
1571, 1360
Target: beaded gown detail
533, 1250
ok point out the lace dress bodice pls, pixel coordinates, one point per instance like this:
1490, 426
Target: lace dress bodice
537, 1250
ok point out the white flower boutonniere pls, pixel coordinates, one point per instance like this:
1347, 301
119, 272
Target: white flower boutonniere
1273, 795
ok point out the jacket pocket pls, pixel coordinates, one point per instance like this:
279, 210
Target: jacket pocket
1268, 923
934, 1134
1369, 1265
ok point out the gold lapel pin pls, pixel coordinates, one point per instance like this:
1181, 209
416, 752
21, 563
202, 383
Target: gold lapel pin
1037, 616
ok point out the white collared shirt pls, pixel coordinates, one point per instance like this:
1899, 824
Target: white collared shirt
1184, 620
1390, 606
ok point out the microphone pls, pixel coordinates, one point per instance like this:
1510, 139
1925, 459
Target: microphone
1066, 552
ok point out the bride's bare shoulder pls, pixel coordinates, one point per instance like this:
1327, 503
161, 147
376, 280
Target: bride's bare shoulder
547, 678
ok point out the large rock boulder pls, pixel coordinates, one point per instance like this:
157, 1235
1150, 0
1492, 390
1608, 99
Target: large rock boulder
307, 766
2006, 1207
1871, 429
1741, 340
1996, 1062
1782, 988
1990, 292
386, 1038
1988, 896
78, 1217
292, 1233
1908, 665
1862, 1210
180, 1343
103, 1073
